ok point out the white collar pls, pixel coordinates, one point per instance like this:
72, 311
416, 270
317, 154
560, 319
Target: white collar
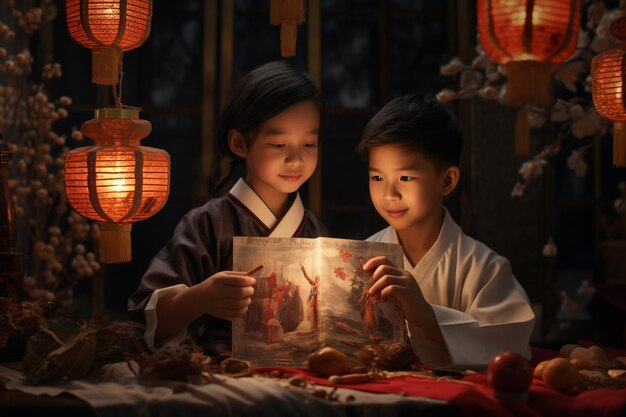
287, 226
449, 229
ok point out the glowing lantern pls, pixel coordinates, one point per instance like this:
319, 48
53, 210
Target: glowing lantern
108, 28
116, 181
528, 37
288, 14
607, 80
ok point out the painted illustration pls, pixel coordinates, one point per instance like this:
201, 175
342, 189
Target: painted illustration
311, 293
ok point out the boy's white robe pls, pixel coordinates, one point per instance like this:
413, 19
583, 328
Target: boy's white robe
481, 308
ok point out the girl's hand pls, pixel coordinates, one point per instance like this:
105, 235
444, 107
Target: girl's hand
226, 294
390, 282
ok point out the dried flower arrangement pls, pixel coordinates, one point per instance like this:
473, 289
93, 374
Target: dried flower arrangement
53, 238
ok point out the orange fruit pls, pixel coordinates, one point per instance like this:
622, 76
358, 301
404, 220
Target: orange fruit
328, 361
560, 375
538, 372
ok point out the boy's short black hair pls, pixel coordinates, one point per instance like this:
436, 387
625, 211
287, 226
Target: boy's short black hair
419, 123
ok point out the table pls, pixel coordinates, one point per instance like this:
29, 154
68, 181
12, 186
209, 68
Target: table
225, 397
266, 397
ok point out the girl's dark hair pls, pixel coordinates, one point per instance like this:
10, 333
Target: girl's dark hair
421, 124
260, 95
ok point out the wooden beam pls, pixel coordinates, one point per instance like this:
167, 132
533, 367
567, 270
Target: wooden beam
314, 60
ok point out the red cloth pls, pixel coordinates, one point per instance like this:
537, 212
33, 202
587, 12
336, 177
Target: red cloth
475, 399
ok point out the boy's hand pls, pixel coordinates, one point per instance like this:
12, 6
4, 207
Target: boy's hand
227, 294
390, 281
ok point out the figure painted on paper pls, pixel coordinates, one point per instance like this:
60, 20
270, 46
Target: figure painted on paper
273, 328
291, 312
368, 312
313, 299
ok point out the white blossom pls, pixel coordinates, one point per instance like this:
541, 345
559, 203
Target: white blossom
549, 249
453, 67
471, 79
560, 111
536, 118
576, 163
489, 92
518, 190
569, 73
619, 205
446, 95
586, 289
532, 169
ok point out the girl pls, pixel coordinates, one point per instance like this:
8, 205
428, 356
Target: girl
270, 125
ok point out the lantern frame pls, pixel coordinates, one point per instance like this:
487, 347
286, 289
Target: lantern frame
116, 181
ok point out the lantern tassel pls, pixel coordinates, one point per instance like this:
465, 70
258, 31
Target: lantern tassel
529, 82
619, 144
115, 242
288, 14
105, 65
522, 133
288, 38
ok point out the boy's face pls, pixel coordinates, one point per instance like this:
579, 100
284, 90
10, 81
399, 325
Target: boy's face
406, 188
283, 153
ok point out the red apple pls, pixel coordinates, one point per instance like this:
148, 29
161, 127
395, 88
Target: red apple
509, 372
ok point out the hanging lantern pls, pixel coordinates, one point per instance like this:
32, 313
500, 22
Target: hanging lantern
528, 37
116, 181
288, 14
108, 28
607, 83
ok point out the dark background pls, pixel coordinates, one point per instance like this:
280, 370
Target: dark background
370, 52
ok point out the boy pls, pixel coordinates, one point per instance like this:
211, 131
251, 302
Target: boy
460, 299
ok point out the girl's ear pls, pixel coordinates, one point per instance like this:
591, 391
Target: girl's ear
237, 143
450, 179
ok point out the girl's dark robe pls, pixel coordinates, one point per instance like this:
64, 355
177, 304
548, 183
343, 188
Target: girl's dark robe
202, 245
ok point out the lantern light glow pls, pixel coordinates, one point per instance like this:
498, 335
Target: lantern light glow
116, 181
607, 88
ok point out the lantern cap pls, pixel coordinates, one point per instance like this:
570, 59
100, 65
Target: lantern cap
117, 113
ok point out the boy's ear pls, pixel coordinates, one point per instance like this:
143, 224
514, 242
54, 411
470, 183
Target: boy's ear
237, 143
450, 179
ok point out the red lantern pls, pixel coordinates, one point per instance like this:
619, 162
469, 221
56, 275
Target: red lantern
108, 28
529, 37
607, 80
116, 181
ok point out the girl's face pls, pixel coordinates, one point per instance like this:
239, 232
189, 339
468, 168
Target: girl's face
282, 155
